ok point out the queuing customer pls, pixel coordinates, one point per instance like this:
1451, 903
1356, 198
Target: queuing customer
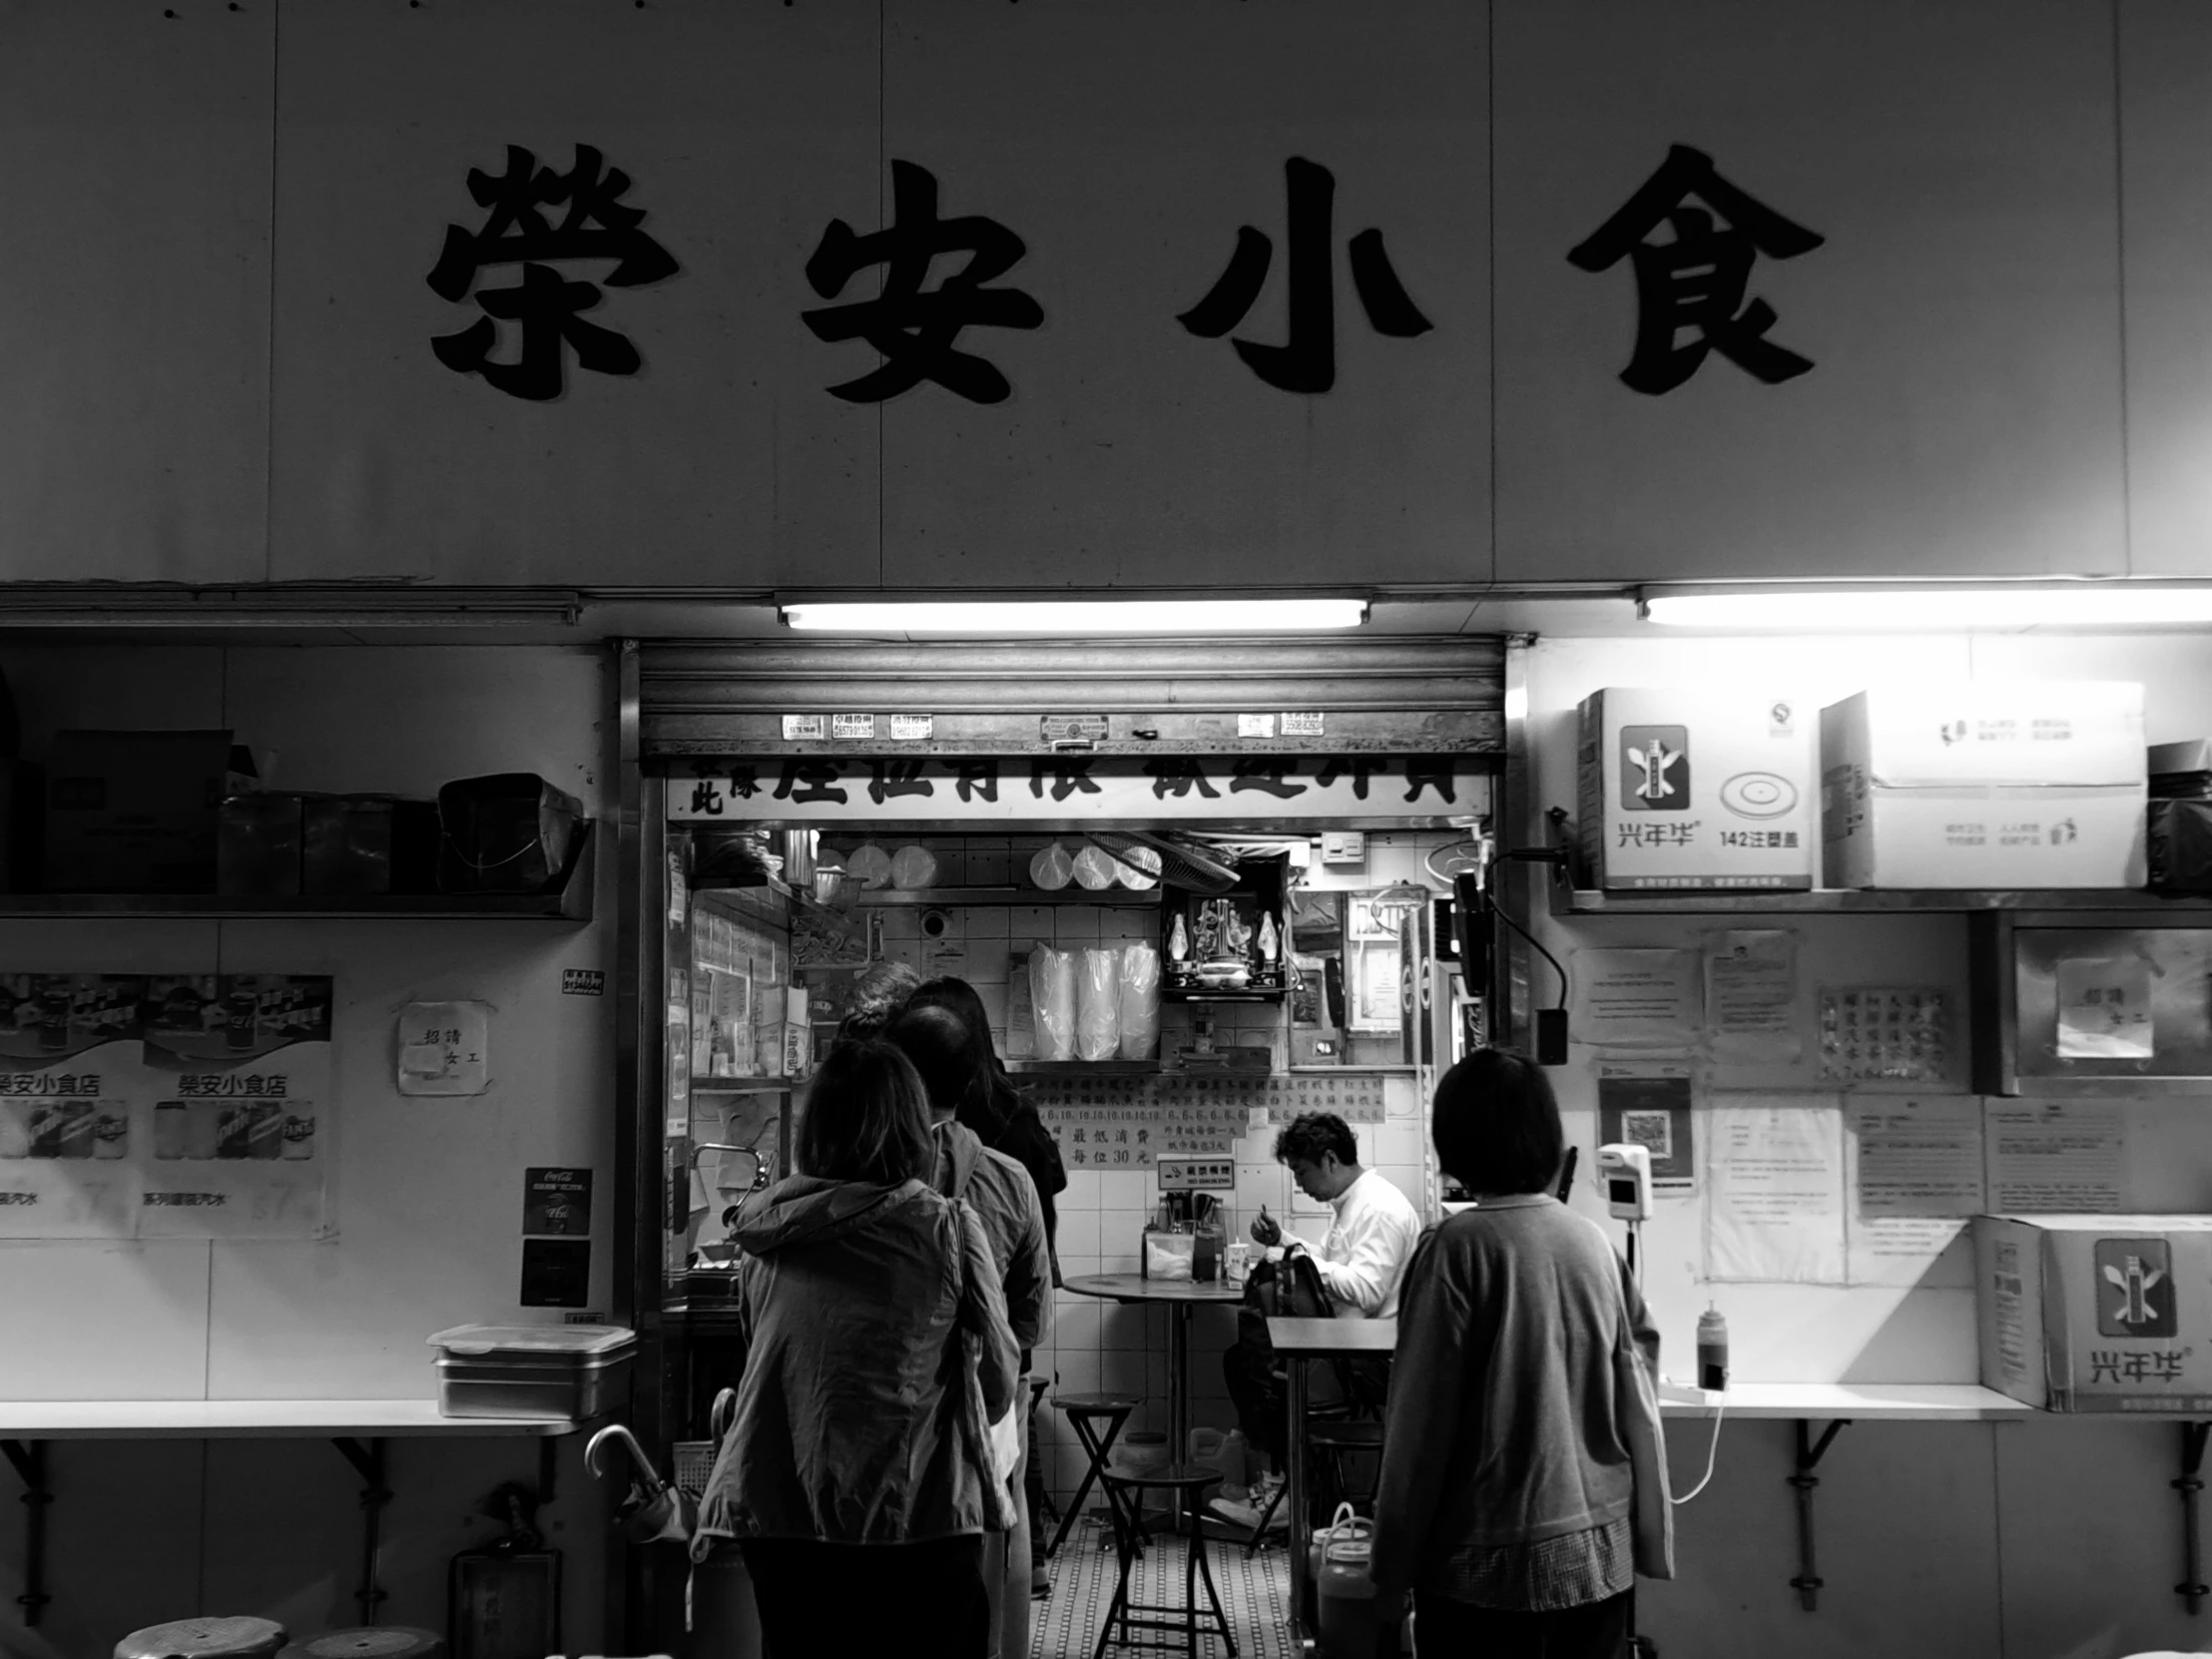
879, 991
1000, 1114
1524, 1480
1359, 1263
942, 1048
855, 1476
1006, 1121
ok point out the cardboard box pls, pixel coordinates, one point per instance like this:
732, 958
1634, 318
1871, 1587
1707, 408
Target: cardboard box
135, 811
257, 843
22, 825
2027, 734
2096, 1312
1691, 788
1985, 785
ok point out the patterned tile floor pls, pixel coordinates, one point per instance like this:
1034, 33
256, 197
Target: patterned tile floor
1255, 1593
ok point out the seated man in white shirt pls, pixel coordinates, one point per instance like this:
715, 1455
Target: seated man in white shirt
1359, 1263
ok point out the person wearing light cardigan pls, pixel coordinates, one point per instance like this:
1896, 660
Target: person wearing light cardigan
1524, 1483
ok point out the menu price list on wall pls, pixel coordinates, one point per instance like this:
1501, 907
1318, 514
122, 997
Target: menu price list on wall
164, 1106
1130, 1122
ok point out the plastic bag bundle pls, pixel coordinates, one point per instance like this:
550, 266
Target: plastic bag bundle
1098, 1004
1052, 990
1140, 1003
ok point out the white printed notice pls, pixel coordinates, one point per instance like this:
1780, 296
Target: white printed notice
1915, 1175
1775, 1190
1751, 996
1637, 998
2104, 1008
2053, 1156
176, 1106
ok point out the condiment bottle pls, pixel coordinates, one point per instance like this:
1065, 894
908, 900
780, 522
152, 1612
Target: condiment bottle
1712, 1349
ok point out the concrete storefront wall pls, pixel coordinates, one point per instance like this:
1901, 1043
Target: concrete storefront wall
426, 1194
721, 463
1133, 451
218, 360
134, 299
1963, 412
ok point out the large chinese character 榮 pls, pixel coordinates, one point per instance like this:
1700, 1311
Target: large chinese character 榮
1694, 282
596, 226
912, 325
1306, 360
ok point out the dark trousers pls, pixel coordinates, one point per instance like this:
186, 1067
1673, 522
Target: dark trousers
1262, 1404
1032, 1481
1447, 1629
860, 1601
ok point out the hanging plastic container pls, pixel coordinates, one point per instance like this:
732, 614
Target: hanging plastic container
1343, 1586
1140, 1452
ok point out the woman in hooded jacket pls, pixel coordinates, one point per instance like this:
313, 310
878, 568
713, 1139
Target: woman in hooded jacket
856, 1475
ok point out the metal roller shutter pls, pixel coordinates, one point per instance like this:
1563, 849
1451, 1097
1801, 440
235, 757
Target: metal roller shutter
1402, 696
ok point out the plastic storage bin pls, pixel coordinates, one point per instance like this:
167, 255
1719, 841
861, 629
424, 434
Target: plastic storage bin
565, 1372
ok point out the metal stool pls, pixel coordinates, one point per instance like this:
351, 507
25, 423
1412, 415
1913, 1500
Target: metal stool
1187, 1483
1337, 1439
1084, 1412
235, 1638
382, 1641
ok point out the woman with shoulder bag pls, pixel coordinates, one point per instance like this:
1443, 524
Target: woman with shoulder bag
858, 1473
1524, 1480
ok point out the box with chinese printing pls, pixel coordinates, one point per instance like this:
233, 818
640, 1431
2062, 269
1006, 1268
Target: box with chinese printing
1694, 788
2094, 1313
1985, 783
136, 812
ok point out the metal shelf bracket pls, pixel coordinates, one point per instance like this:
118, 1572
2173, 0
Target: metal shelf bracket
367, 1458
29, 1458
2190, 1485
1807, 1583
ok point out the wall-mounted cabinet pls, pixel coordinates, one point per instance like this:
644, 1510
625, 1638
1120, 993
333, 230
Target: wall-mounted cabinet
2115, 1004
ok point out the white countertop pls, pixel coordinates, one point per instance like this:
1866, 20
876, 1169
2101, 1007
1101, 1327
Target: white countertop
88, 1419
1860, 1401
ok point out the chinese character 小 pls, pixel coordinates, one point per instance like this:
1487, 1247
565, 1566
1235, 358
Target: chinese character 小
1306, 360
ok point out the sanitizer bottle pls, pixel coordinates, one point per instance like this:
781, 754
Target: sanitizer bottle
1712, 1349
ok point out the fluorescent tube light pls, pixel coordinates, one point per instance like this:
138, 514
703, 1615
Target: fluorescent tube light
304, 606
1077, 617
1900, 609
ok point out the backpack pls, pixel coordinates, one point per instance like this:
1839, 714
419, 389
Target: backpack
1292, 1289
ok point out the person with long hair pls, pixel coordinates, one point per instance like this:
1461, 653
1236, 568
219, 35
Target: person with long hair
1001, 1117
992, 1108
941, 1046
1524, 1478
857, 1476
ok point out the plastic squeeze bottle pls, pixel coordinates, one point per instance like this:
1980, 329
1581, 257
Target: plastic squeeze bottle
1712, 1349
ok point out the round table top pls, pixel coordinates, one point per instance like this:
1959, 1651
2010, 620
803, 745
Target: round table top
1135, 1286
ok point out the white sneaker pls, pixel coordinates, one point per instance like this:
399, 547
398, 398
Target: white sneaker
1245, 1515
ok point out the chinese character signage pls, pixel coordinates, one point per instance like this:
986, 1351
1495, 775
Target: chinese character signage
1132, 1122
831, 789
171, 1106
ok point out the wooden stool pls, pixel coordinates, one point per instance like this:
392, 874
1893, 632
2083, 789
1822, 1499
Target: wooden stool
1187, 1483
204, 1639
1084, 1412
384, 1641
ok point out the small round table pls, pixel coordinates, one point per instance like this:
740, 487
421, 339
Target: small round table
1180, 1297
